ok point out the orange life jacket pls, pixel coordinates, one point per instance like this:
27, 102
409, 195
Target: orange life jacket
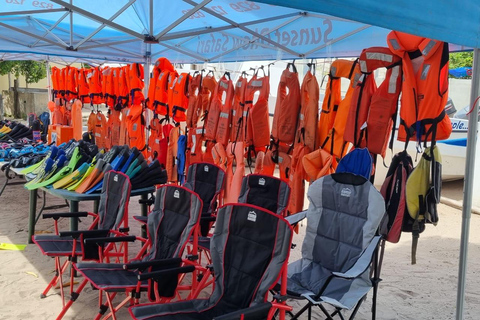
100, 130
194, 110
297, 179
108, 87
233, 179
124, 127
82, 83
287, 109
154, 138
237, 131
308, 118
179, 100
121, 89
317, 164
171, 165
59, 75
55, 85
91, 122
113, 129
257, 117
209, 84
136, 127
58, 112
162, 155
70, 76
135, 83
162, 64
373, 110
76, 119
425, 87
166, 80
95, 86
265, 164
196, 139
335, 110
217, 127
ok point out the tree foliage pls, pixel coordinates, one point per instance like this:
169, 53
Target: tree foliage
461, 59
33, 71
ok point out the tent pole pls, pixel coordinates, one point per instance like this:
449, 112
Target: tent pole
468, 184
71, 25
49, 84
146, 81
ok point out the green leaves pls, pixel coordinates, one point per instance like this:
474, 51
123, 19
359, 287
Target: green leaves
33, 71
461, 59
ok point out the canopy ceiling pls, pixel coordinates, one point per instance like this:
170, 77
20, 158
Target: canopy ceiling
455, 22
188, 32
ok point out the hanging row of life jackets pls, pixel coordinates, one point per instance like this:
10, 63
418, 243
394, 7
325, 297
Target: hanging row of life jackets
416, 68
117, 87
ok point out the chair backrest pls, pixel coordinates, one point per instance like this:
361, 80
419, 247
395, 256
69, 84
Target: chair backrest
266, 192
175, 215
207, 181
343, 217
250, 248
114, 199
358, 161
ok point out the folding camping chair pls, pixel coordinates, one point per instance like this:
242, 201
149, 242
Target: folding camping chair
111, 220
340, 246
250, 249
173, 221
207, 180
266, 192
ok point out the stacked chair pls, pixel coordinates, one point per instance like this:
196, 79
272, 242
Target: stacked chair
250, 248
98, 243
173, 221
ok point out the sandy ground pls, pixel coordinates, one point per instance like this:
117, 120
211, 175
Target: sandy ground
426, 290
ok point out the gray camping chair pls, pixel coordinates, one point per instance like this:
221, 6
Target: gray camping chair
340, 244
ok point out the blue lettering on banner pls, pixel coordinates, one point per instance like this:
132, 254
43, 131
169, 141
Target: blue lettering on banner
316, 35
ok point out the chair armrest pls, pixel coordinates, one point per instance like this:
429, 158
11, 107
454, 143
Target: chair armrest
260, 311
165, 273
85, 233
109, 240
208, 219
363, 261
141, 219
58, 215
297, 217
152, 263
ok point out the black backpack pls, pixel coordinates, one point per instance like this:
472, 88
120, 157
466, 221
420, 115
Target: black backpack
393, 191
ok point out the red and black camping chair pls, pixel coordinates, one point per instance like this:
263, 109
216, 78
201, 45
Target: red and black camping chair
111, 221
266, 192
173, 221
207, 180
250, 248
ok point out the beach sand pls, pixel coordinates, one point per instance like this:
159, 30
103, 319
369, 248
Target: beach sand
426, 290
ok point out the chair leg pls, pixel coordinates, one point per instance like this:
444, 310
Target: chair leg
73, 298
377, 262
325, 311
299, 313
354, 313
128, 299
54, 280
